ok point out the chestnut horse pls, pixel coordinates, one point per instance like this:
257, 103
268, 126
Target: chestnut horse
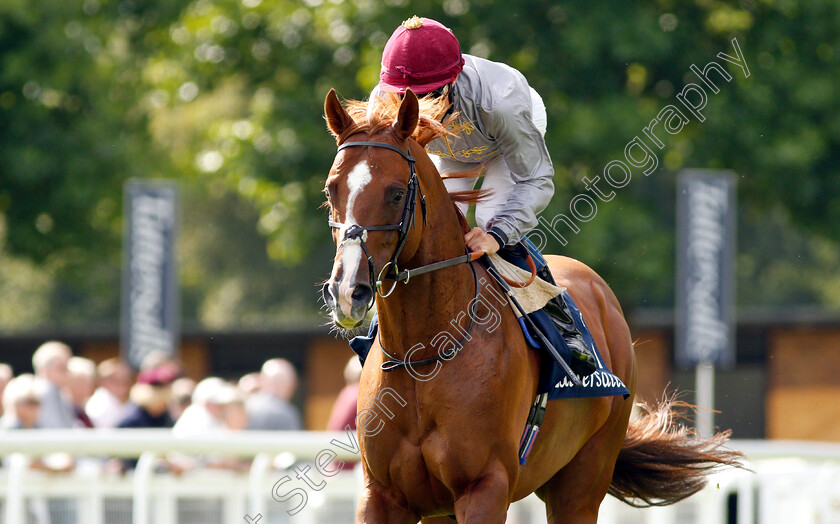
443, 439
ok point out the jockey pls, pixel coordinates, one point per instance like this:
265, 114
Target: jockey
500, 123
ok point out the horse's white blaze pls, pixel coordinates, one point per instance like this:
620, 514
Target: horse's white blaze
357, 179
351, 254
351, 257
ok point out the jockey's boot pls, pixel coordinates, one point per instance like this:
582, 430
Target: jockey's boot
583, 358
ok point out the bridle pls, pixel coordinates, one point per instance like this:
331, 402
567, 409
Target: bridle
355, 232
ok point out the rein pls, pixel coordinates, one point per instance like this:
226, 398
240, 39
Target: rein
394, 363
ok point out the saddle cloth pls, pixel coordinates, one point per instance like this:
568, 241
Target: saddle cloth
602, 383
533, 298
553, 380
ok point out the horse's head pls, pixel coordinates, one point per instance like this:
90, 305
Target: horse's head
373, 193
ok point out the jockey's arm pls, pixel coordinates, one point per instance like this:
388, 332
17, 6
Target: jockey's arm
523, 147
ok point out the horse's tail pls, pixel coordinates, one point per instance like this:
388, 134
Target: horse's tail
662, 462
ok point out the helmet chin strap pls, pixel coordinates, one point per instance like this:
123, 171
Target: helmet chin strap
450, 96
448, 91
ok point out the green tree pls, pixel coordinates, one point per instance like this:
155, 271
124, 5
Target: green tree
226, 96
72, 131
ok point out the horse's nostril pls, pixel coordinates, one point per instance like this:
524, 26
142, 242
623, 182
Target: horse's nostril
329, 300
362, 293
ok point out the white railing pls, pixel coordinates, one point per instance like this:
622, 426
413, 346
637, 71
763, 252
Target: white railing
791, 482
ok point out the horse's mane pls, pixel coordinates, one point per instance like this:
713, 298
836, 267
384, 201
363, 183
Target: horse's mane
379, 117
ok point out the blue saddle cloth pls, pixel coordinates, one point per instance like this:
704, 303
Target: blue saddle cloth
553, 380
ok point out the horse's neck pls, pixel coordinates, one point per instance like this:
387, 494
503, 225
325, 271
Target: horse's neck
427, 304
416, 312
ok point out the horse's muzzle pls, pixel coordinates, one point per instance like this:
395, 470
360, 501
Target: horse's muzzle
348, 304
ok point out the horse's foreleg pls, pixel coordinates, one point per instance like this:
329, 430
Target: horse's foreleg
376, 508
485, 502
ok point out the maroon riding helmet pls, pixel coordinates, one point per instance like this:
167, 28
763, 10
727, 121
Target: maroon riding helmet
422, 54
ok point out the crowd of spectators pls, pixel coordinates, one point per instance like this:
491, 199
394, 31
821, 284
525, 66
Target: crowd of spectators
69, 391
72, 392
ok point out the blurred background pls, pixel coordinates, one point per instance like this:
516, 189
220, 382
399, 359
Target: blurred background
226, 98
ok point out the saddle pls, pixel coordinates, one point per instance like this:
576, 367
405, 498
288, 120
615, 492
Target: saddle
553, 380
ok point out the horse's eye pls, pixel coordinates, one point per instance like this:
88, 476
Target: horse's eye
398, 196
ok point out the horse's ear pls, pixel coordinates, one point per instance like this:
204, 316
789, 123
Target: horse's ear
338, 120
408, 115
